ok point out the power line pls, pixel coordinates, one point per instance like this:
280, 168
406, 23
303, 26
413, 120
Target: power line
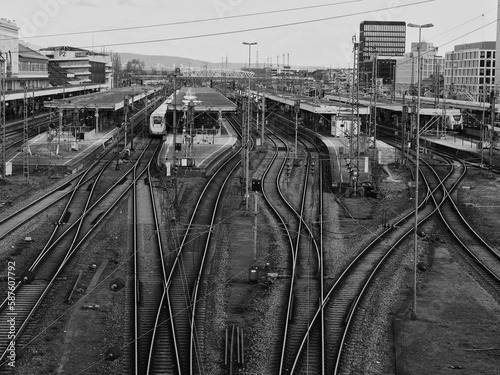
464, 23
196, 21
452, 40
258, 28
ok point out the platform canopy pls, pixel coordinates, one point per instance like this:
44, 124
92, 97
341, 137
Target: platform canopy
204, 99
112, 99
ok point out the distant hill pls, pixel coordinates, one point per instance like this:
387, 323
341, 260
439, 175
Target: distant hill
171, 61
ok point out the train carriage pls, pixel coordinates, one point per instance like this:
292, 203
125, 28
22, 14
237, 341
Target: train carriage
158, 124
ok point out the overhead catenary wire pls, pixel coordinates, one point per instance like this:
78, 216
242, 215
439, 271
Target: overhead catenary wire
178, 23
239, 31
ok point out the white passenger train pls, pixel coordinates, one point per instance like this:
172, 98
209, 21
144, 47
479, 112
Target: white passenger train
158, 124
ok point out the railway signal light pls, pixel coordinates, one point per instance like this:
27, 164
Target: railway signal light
297, 106
256, 186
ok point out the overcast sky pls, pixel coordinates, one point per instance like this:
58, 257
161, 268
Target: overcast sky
308, 33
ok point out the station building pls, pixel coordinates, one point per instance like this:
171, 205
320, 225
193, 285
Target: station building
80, 66
22, 65
31, 76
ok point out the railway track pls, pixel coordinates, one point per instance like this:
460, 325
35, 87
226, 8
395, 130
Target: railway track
297, 208
441, 177
185, 285
149, 274
78, 220
484, 258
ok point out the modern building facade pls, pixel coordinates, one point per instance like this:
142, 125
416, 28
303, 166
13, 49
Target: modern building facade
470, 71
407, 73
379, 43
385, 38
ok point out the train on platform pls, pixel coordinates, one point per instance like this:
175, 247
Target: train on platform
485, 133
453, 121
158, 121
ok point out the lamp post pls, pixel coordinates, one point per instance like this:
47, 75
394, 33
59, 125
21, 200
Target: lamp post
296, 110
374, 93
174, 140
3, 104
415, 255
247, 130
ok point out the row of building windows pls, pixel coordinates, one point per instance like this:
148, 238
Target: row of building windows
28, 66
80, 71
471, 55
383, 28
470, 63
469, 72
70, 63
383, 50
469, 80
383, 35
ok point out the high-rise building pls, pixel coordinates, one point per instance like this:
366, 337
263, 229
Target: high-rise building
379, 42
470, 71
386, 38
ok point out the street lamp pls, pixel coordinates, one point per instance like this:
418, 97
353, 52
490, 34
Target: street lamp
419, 75
249, 44
246, 131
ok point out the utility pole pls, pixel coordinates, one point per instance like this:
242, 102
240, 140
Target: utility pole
243, 143
59, 131
191, 127
26, 151
404, 119
131, 127
125, 111
3, 167
417, 170
297, 110
483, 123
146, 107
246, 146
492, 130
375, 89
263, 117
174, 119
354, 129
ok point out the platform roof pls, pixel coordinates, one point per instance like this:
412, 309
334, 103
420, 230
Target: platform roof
112, 99
205, 99
313, 105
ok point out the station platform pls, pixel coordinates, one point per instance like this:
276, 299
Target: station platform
342, 165
454, 141
61, 154
386, 154
66, 155
205, 150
